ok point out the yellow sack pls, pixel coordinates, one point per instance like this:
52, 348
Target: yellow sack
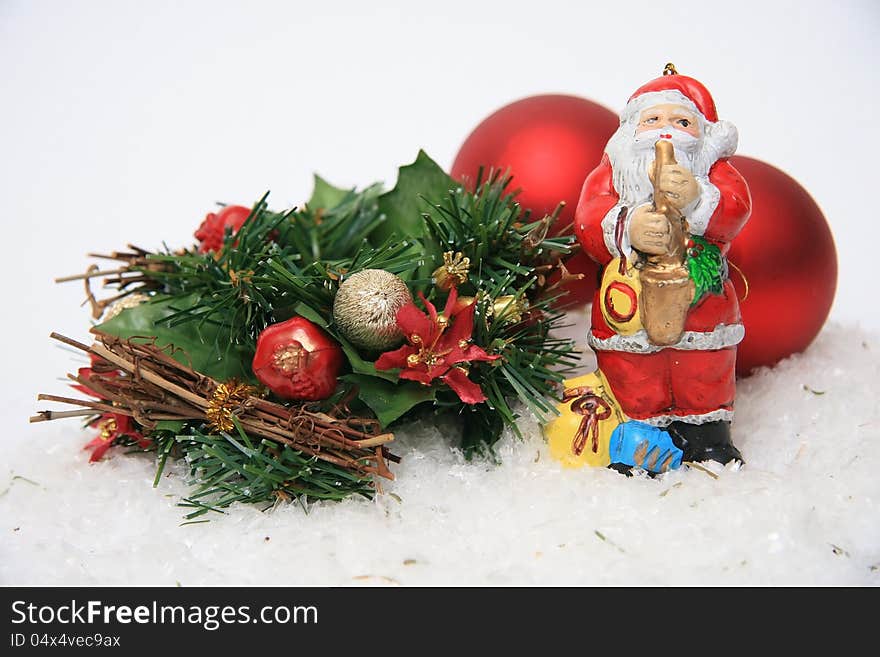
574, 438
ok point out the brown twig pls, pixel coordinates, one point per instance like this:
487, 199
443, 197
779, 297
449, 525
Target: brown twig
130, 274
45, 416
92, 272
151, 384
98, 406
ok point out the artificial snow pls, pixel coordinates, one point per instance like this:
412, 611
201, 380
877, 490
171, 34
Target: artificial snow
805, 509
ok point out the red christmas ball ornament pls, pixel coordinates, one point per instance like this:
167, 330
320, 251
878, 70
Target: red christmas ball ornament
212, 230
549, 143
787, 257
296, 359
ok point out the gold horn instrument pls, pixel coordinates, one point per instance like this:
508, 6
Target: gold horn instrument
667, 289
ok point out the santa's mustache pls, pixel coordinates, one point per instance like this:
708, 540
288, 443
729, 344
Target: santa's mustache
681, 141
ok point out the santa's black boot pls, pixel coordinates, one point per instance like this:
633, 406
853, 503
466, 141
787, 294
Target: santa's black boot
622, 468
704, 442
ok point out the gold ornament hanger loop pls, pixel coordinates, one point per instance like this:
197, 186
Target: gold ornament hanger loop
669, 69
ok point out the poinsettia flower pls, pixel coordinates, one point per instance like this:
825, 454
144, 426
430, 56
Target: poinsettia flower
437, 344
98, 366
111, 427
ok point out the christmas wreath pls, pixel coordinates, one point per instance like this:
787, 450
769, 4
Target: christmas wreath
277, 355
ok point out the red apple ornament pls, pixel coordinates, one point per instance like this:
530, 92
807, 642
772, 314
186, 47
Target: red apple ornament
296, 359
787, 255
549, 143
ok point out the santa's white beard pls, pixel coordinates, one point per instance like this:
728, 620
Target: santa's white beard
632, 156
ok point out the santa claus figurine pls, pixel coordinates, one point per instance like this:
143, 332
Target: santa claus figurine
659, 213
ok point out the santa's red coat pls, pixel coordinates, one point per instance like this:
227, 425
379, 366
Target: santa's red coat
669, 383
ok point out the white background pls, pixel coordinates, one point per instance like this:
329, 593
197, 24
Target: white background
123, 122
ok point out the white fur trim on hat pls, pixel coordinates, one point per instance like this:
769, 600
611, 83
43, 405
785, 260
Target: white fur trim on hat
652, 98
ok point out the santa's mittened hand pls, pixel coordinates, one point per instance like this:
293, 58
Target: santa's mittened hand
649, 231
678, 185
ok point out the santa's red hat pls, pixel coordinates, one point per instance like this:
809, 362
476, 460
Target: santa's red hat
671, 88
691, 89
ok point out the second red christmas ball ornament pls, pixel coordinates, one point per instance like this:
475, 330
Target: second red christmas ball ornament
296, 359
549, 143
786, 254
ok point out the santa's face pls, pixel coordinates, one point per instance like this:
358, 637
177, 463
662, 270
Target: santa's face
675, 117
634, 148
698, 144
668, 122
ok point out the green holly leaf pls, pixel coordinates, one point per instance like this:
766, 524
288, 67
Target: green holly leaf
326, 195
389, 401
204, 346
304, 310
418, 183
171, 426
361, 366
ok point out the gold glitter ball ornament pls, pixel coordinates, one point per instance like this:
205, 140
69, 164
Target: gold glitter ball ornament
365, 309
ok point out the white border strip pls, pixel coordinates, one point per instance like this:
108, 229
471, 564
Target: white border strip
665, 420
724, 335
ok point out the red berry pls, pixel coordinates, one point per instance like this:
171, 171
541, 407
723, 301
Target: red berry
690, 244
211, 232
296, 359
